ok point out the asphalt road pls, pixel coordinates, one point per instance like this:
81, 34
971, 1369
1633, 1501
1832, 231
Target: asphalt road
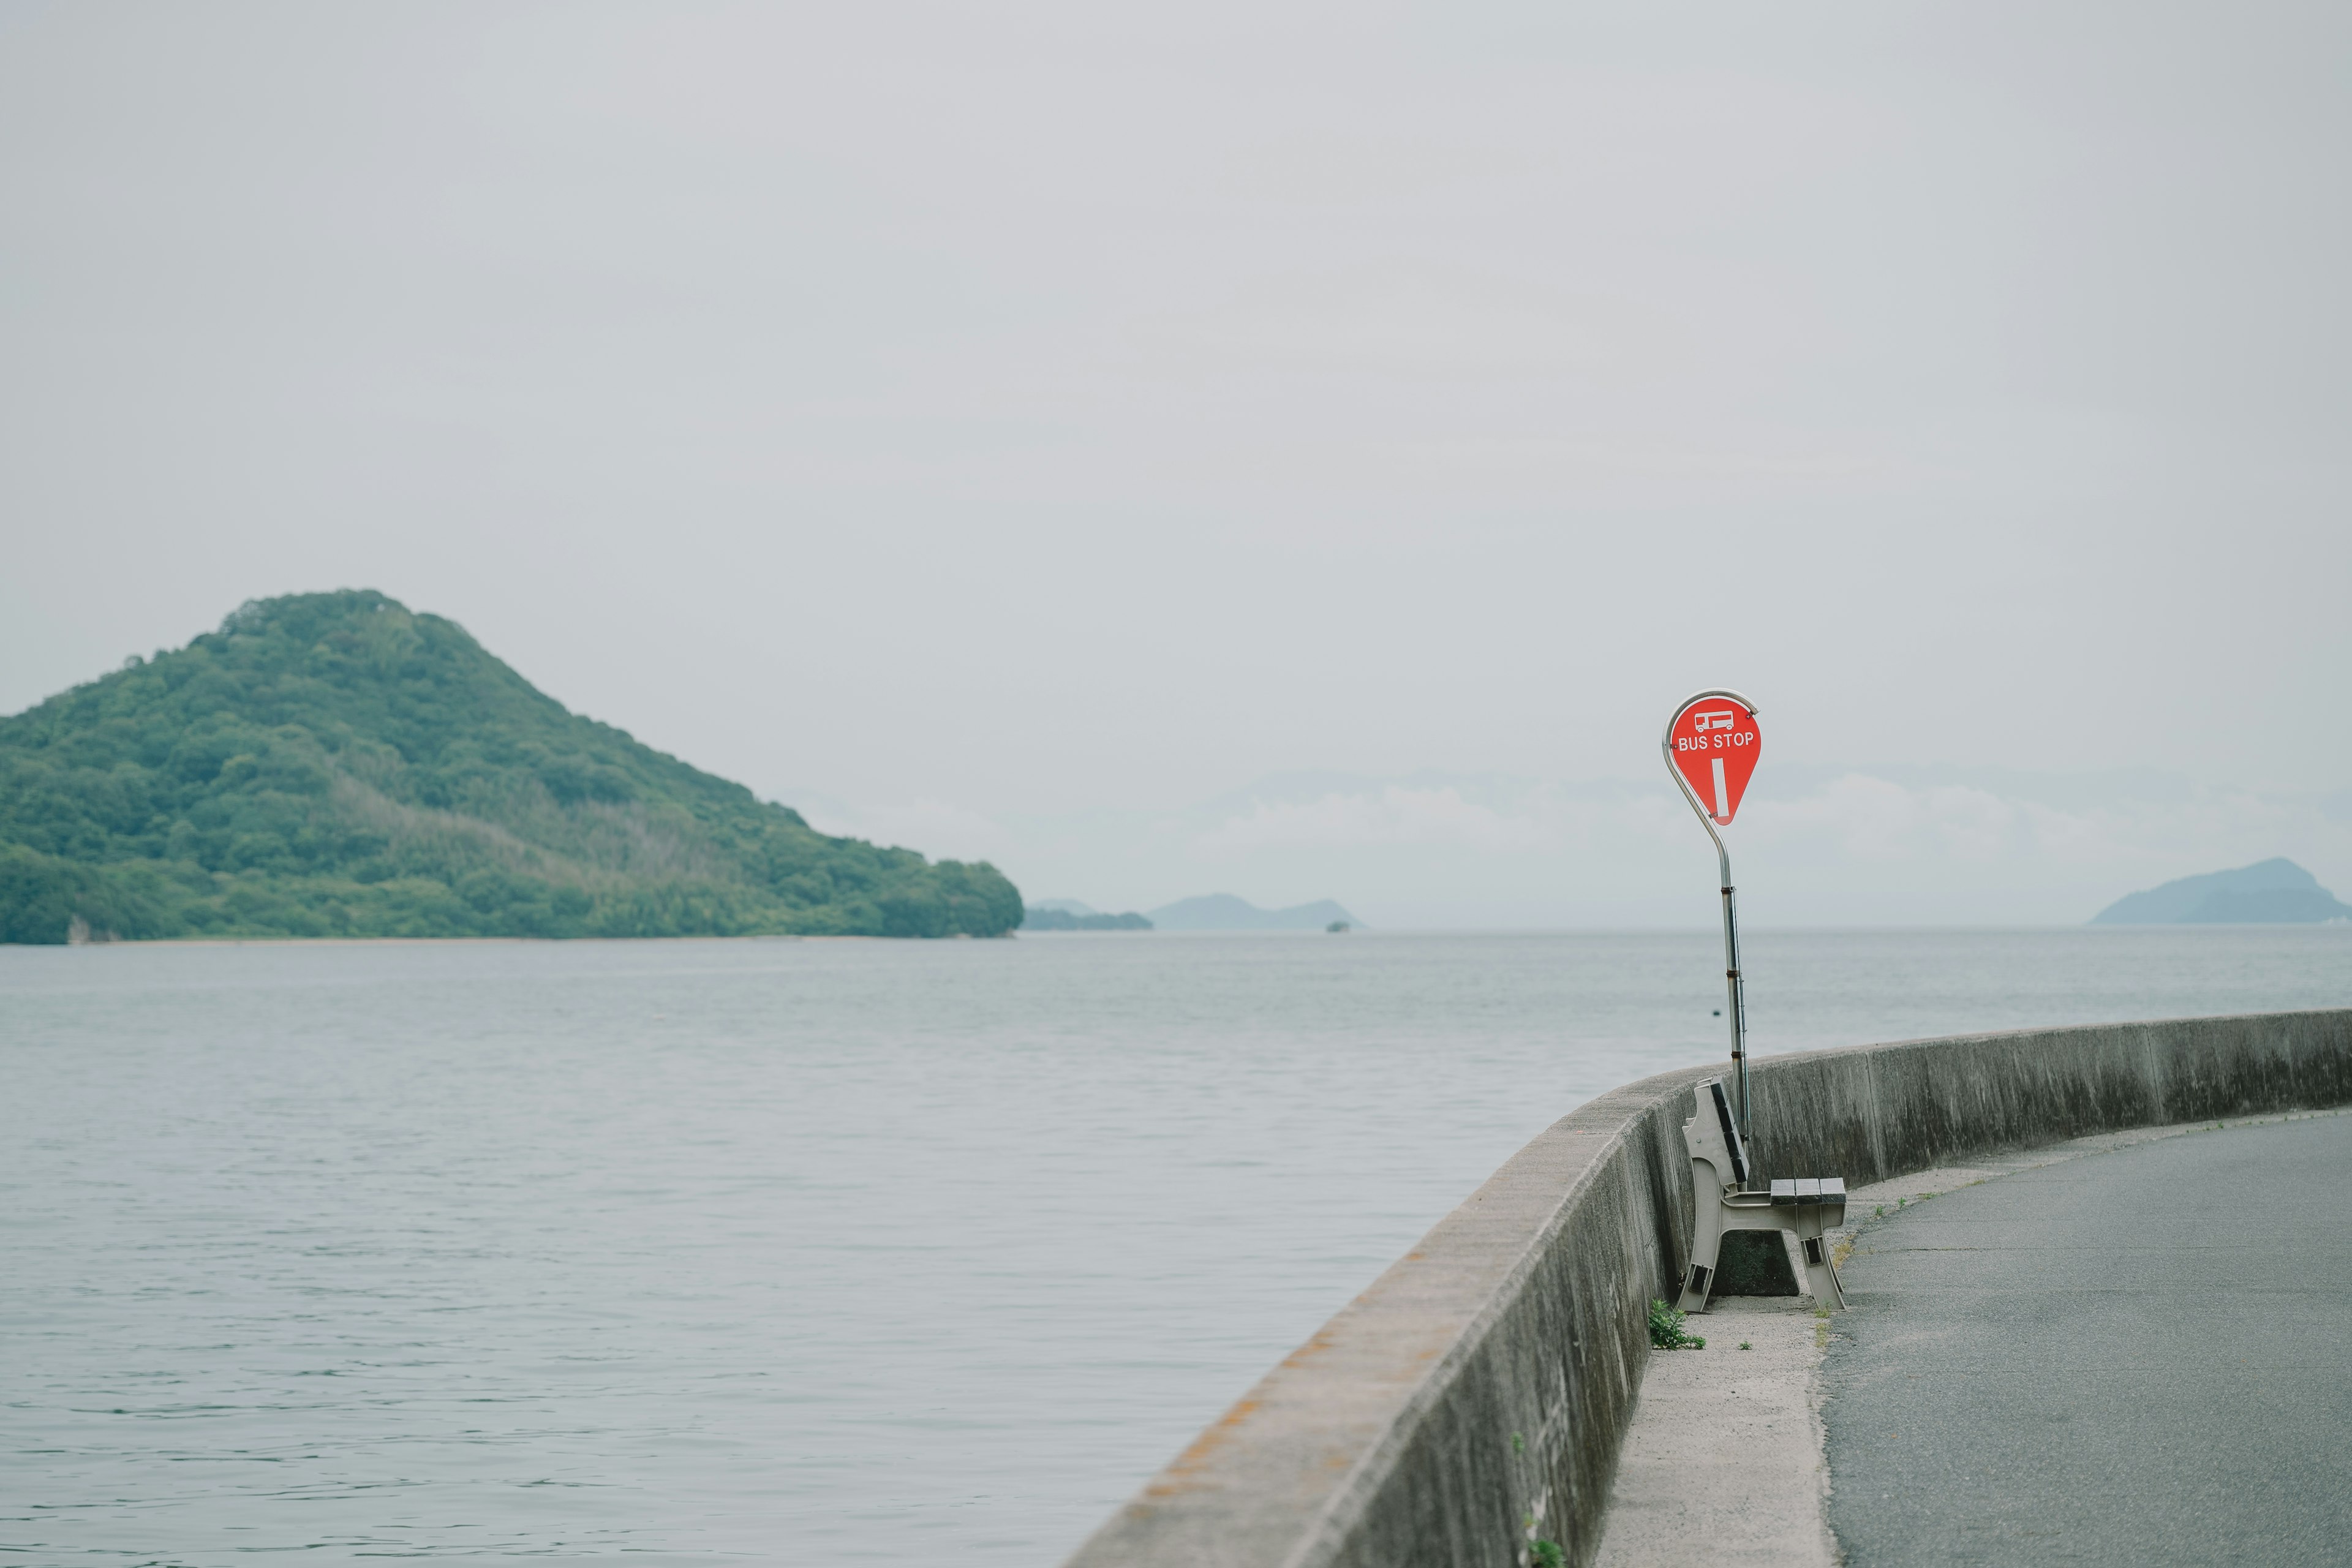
2142, 1357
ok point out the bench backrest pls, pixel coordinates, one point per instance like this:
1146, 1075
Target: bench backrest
1713, 1137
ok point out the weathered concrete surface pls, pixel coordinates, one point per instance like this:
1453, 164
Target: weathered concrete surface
1474, 1398
2140, 1359
1876, 1111
1723, 1461
1442, 1417
1759, 1495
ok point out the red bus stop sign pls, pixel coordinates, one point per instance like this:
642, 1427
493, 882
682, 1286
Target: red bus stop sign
1713, 743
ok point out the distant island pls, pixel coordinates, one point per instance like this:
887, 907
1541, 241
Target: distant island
1223, 912
1069, 914
337, 765
2276, 892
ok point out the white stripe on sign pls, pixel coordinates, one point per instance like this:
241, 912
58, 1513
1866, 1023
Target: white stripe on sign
1722, 800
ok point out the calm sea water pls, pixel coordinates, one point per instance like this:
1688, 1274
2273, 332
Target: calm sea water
805, 1252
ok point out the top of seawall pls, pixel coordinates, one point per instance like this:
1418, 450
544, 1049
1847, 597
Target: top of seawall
1470, 1401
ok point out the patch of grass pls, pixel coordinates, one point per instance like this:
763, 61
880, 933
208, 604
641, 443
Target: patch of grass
1546, 1554
1745, 1346
1666, 1330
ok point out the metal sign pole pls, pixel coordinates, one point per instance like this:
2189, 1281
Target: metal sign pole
1734, 1004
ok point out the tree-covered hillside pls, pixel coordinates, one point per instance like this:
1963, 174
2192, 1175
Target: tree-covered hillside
331, 765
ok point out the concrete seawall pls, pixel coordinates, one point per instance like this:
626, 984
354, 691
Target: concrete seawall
1472, 1399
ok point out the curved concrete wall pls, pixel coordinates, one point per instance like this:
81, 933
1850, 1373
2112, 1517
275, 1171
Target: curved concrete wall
1472, 1399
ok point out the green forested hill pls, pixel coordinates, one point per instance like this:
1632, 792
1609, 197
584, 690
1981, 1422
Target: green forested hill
331, 765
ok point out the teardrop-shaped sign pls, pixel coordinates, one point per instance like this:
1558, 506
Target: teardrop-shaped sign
1713, 743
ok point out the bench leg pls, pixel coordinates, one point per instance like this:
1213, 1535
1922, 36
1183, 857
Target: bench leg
1700, 1281
1820, 1272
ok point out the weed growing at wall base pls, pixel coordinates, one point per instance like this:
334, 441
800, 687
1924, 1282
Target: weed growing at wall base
1666, 1330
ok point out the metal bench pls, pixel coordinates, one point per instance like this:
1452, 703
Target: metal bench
1804, 1206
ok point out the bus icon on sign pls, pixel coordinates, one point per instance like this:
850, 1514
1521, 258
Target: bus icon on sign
1705, 722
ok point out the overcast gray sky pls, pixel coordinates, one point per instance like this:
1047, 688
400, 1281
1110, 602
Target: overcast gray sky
1297, 449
